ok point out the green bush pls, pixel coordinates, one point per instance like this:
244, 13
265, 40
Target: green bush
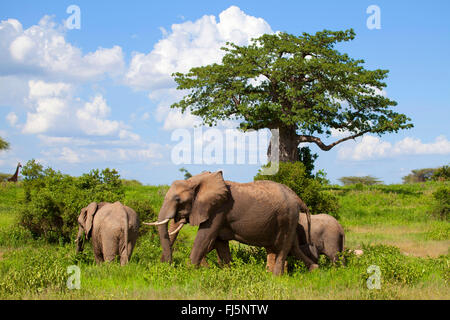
53, 200
394, 266
294, 175
366, 180
145, 212
442, 202
441, 174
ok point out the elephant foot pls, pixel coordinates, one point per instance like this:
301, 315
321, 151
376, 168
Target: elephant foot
204, 263
313, 267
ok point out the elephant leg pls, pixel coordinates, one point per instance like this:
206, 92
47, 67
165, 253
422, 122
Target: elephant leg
125, 253
282, 253
271, 256
223, 252
270, 260
206, 238
111, 249
299, 254
130, 248
98, 253
173, 226
99, 258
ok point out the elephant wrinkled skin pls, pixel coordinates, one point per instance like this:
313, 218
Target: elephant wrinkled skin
113, 228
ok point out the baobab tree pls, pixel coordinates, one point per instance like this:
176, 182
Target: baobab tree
300, 85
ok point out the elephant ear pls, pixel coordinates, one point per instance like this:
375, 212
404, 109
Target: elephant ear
210, 191
91, 209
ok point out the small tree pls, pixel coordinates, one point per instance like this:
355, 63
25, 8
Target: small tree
300, 85
4, 145
187, 174
419, 175
366, 180
441, 174
307, 158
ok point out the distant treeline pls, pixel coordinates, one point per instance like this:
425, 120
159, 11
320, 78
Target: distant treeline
428, 174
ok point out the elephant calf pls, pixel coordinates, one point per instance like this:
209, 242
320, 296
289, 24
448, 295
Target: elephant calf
327, 238
113, 228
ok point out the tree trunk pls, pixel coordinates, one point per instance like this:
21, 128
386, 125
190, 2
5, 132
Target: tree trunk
288, 146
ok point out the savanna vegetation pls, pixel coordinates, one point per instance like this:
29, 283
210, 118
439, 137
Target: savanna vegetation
402, 229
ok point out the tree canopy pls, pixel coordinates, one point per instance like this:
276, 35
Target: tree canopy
300, 85
428, 174
3, 144
366, 180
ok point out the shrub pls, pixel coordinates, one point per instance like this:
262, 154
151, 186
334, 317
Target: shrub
145, 212
366, 180
53, 200
441, 174
306, 157
394, 266
293, 175
419, 175
441, 207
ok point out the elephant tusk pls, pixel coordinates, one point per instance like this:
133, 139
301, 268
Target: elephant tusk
177, 229
157, 223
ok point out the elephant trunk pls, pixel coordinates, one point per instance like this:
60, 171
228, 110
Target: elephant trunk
167, 212
80, 240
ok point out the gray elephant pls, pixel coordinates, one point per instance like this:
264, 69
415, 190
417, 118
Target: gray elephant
327, 238
113, 228
260, 213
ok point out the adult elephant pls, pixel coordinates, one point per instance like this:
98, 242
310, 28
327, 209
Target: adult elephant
260, 213
113, 228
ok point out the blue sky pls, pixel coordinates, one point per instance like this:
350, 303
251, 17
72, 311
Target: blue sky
98, 96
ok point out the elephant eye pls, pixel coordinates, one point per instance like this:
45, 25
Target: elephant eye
177, 199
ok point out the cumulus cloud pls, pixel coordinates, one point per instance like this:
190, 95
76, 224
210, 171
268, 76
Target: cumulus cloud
61, 119
49, 106
92, 118
12, 118
187, 45
43, 50
370, 147
192, 44
69, 155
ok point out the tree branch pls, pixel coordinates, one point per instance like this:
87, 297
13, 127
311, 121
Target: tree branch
325, 147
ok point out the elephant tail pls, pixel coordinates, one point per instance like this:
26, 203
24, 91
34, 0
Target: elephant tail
304, 208
342, 242
308, 215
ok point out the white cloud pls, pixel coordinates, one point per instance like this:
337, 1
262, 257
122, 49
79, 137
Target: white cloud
49, 103
415, 146
370, 147
191, 44
187, 45
12, 118
69, 155
43, 50
58, 117
92, 118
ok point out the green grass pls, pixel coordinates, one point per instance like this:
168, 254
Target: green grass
392, 224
